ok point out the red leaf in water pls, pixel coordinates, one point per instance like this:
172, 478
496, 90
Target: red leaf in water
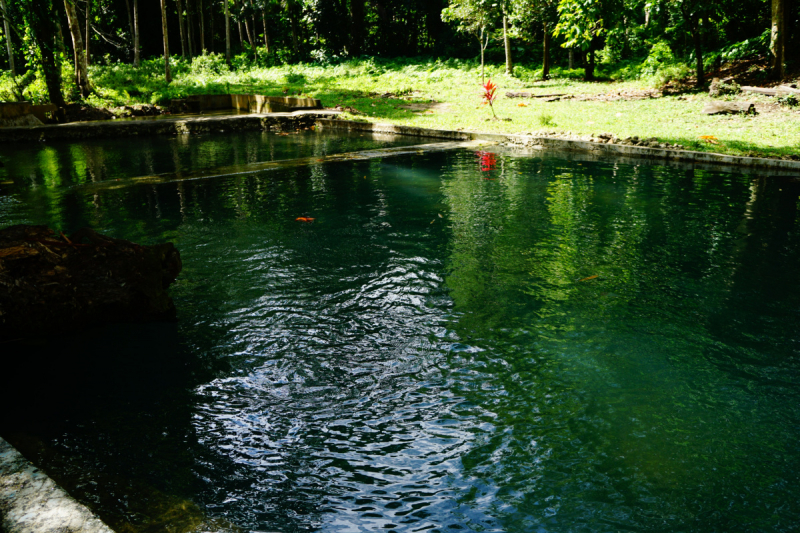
305, 219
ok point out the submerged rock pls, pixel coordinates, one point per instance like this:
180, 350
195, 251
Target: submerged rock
53, 284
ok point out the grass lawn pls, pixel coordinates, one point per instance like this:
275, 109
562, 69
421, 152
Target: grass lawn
447, 95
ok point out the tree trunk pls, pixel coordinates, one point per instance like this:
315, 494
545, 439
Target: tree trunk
166, 40
697, 37
433, 22
249, 31
189, 33
778, 38
136, 33
571, 58
7, 30
60, 39
180, 29
88, 29
130, 22
44, 28
295, 30
202, 28
211, 28
356, 28
79, 54
509, 65
227, 32
483, 69
238, 8
546, 54
588, 67
266, 32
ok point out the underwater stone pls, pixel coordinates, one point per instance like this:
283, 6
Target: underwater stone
52, 284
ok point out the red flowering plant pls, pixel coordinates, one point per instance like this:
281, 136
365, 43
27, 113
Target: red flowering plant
490, 95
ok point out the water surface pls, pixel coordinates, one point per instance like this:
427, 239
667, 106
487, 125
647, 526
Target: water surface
457, 342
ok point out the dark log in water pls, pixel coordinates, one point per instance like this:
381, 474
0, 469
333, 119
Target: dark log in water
51, 284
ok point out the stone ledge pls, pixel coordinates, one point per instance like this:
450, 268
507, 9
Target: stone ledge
31, 502
165, 126
703, 159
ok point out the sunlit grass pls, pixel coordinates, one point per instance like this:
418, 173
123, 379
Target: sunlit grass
362, 84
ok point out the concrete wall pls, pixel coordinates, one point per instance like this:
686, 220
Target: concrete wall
255, 103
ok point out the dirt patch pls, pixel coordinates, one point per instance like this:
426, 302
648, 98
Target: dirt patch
615, 96
351, 110
612, 96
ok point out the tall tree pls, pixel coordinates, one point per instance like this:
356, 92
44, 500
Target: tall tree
202, 27
190, 45
180, 29
293, 10
136, 49
475, 17
227, 32
167, 72
88, 29
7, 28
266, 30
696, 16
778, 38
527, 16
38, 16
357, 10
130, 23
507, 45
581, 24
79, 53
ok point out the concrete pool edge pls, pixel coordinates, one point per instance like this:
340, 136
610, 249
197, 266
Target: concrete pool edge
328, 119
31, 502
598, 150
165, 126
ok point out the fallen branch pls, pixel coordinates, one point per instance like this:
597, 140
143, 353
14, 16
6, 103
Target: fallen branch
778, 91
722, 108
531, 95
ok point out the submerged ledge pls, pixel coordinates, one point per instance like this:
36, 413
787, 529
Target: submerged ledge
597, 151
31, 502
250, 168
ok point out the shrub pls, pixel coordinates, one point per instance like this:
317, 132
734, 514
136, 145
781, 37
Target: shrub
789, 100
209, 64
660, 57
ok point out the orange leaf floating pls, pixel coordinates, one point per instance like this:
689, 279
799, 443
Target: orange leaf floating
304, 219
589, 278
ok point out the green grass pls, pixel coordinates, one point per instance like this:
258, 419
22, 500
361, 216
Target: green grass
455, 84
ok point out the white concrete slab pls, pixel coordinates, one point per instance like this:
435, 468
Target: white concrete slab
31, 502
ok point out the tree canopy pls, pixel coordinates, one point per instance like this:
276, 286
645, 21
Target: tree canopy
39, 35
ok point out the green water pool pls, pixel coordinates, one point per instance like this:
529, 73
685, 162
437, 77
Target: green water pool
459, 341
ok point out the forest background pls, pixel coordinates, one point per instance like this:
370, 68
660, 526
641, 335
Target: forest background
381, 57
